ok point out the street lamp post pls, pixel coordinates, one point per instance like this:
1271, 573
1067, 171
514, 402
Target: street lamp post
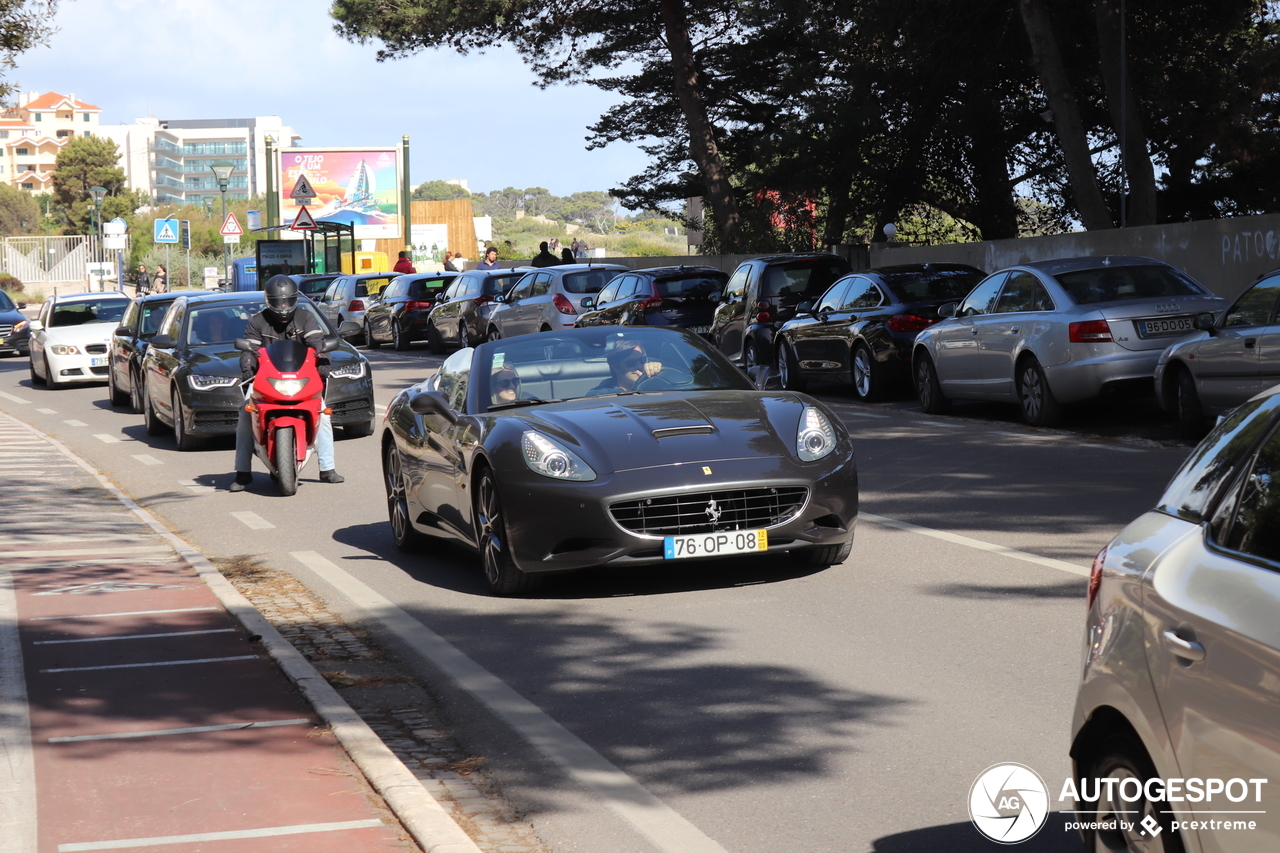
222, 171
99, 193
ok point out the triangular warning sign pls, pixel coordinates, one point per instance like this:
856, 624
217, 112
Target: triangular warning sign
231, 226
302, 189
304, 221
167, 234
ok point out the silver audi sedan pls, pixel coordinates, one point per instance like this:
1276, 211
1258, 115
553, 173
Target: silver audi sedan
1176, 730
1226, 362
1050, 333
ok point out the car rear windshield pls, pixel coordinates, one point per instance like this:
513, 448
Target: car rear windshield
1113, 284
89, 311
315, 286
927, 285
801, 280
691, 286
587, 281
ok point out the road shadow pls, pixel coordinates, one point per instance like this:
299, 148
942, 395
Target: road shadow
1053, 837
1074, 590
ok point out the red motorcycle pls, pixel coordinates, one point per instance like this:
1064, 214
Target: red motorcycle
286, 401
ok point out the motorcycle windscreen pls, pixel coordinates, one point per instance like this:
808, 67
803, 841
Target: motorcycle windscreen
287, 356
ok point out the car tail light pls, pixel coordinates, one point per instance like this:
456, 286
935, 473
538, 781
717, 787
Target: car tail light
910, 323
1089, 332
564, 306
764, 315
483, 300
356, 305
1095, 576
652, 302
417, 306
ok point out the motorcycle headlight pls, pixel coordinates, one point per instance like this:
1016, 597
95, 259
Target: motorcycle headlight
289, 387
202, 382
64, 349
350, 371
815, 438
551, 459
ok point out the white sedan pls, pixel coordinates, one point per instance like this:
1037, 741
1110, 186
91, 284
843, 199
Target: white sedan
70, 338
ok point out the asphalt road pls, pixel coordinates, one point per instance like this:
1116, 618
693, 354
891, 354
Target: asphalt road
742, 706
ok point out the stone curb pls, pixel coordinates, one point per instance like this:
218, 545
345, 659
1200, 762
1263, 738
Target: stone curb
425, 819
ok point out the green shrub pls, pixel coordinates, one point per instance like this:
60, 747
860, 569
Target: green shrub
9, 284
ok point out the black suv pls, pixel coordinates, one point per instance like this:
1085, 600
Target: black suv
762, 294
683, 297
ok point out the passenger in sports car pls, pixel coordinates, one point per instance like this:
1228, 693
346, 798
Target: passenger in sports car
504, 385
628, 364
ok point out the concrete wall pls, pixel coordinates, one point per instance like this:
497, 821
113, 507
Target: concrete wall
1225, 255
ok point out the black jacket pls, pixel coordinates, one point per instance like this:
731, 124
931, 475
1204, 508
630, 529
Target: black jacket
265, 328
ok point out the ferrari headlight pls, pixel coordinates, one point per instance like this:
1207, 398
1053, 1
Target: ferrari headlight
816, 438
551, 459
203, 382
350, 371
289, 387
64, 349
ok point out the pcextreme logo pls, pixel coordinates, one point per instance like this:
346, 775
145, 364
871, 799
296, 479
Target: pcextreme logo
1008, 803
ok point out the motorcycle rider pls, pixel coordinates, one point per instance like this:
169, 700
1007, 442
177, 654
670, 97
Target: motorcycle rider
281, 320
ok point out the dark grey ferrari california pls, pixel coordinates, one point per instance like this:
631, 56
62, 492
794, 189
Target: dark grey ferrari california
613, 447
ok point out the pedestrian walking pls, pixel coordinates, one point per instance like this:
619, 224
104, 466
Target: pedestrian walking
404, 265
490, 261
161, 282
142, 282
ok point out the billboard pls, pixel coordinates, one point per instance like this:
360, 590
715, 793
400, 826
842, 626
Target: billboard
359, 186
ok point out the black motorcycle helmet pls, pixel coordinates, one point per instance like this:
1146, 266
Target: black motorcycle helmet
282, 297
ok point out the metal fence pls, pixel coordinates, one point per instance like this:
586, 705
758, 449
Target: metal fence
53, 264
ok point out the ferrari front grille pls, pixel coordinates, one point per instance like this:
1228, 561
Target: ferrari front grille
705, 512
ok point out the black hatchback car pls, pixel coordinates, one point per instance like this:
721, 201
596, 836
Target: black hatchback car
191, 372
762, 294
460, 316
129, 344
400, 314
683, 297
863, 327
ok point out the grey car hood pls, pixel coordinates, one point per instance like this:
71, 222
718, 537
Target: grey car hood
627, 433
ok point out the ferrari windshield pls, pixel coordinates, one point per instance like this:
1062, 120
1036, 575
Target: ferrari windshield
599, 362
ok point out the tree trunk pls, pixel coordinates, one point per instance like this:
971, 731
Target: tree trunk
1141, 176
702, 139
1066, 116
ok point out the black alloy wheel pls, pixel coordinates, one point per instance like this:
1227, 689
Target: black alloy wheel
135, 392
154, 425
500, 571
406, 538
186, 441
369, 340
51, 381
789, 369
399, 338
1122, 758
464, 339
494, 334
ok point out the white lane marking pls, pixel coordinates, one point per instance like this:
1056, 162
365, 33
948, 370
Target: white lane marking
991, 547
252, 520
147, 460
124, 613
18, 779
148, 663
47, 411
75, 423
655, 820
134, 637
73, 537
199, 487
187, 731
266, 832
105, 438
14, 399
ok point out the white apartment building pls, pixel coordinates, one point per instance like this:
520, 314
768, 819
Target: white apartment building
33, 132
170, 160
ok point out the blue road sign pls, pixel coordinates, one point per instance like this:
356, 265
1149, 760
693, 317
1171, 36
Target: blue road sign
166, 231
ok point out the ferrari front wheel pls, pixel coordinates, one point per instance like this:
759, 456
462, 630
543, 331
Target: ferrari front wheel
500, 571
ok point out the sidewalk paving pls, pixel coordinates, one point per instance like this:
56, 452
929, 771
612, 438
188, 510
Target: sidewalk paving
145, 704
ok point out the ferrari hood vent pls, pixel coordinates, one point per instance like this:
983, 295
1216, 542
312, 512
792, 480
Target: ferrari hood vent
696, 429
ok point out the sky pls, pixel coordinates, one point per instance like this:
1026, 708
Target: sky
476, 117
